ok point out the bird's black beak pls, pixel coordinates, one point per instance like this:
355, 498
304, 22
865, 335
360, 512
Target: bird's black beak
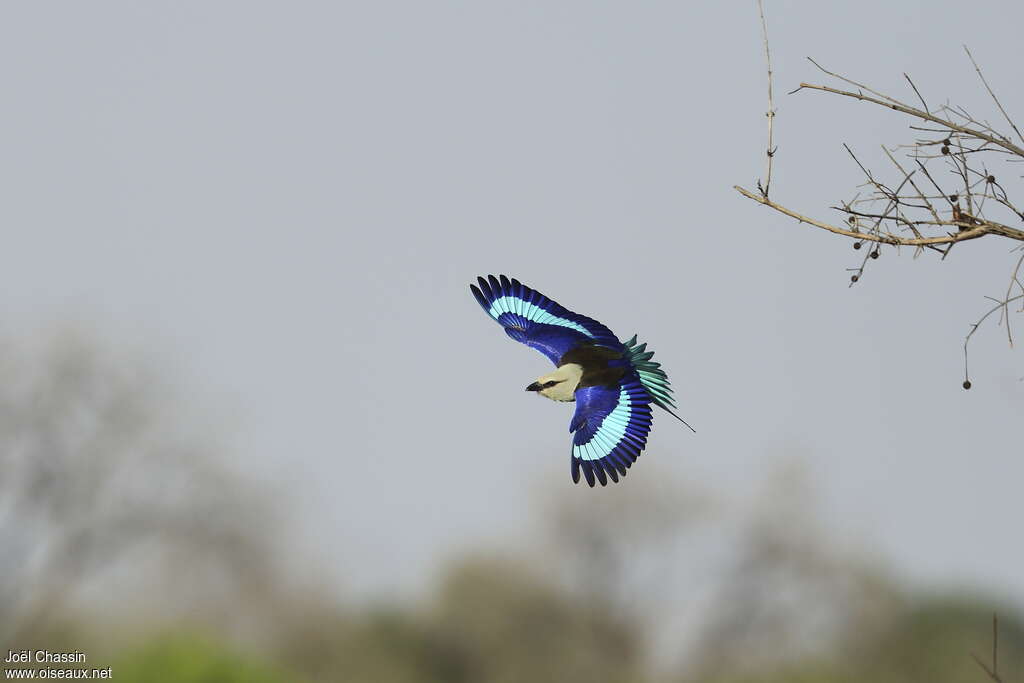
534, 387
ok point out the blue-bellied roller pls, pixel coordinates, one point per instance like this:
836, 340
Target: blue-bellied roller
613, 383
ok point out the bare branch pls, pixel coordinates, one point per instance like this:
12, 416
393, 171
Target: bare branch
770, 151
964, 203
847, 80
897, 106
967, 231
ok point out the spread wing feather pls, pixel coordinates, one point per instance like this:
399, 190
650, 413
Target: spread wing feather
533, 319
610, 429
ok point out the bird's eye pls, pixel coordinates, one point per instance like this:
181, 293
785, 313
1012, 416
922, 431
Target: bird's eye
550, 384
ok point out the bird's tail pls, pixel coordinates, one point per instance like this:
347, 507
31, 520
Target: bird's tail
653, 378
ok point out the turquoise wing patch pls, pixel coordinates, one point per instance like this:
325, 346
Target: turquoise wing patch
533, 319
522, 310
610, 429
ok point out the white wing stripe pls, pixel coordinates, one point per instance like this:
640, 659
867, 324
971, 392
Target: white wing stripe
532, 312
609, 434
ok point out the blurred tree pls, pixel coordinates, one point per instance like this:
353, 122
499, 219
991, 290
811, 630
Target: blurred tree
793, 605
644, 552
617, 547
510, 626
491, 622
787, 591
98, 482
930, 640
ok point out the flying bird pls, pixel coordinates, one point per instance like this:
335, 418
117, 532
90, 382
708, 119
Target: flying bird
613, 384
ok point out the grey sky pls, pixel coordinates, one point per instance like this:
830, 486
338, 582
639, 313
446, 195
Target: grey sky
284, 203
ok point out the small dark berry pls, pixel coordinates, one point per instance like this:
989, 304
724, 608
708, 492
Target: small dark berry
991, 179
851, 220
856, 245
874, 254
854, 278
945, 149
953, 198
946, 142
967, 384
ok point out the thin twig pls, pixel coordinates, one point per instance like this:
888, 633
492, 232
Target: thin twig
847, 80
923, 103
992, 672
918, 113
909, 177
770, 151
975, 326
1014, 280
994, 98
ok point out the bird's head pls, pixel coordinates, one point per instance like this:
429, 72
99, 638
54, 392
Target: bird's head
559, 385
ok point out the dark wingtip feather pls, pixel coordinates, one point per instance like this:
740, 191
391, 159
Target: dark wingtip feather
480, 298
574, 469
588, 472
485, 288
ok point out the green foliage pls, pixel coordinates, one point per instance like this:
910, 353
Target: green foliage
932, 641
396, 647
189, 659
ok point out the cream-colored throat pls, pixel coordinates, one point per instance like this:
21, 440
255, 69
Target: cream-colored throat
567, 379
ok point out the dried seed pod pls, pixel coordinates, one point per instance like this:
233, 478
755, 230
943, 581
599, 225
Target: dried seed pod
954, 198
854, 278
874, 254
945, 149
991, 179
856, 245
967, 384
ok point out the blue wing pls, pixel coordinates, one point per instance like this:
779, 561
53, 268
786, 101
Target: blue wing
610, 429
531, 318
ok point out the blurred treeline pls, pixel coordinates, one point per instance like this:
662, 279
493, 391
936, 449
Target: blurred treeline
125, 536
